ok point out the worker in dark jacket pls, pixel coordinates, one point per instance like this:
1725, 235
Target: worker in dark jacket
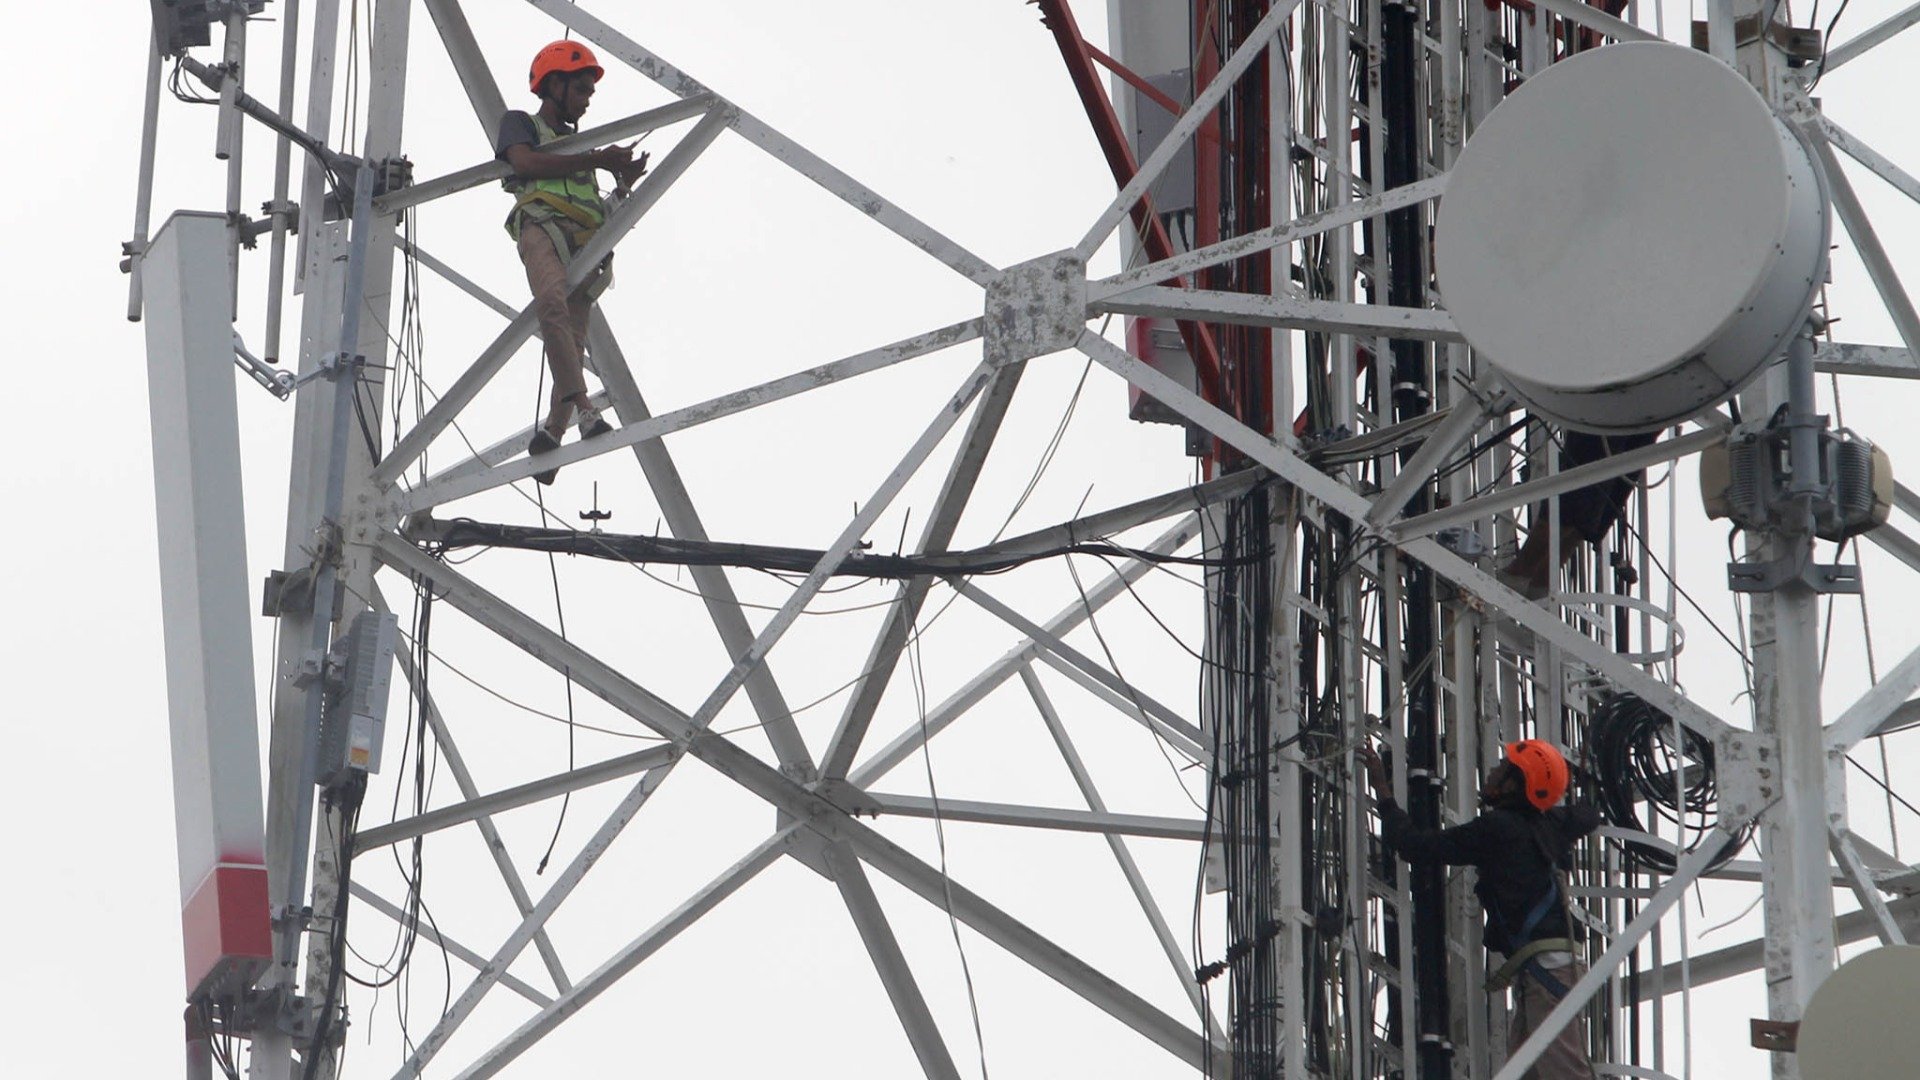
1519, 846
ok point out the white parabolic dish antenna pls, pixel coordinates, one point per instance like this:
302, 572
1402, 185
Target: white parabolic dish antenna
1860, 1022
1631, 237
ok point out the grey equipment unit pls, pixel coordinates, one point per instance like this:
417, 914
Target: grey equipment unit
1746, 478
179, 25
355, 719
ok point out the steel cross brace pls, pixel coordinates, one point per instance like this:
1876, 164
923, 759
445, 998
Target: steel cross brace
1866, 155
785, 150
466, 479
850, 877
1183, 965
902, 616
630, 957
470, 64
496, 848
1865, 889
746, 664
1864, 716
1855, 47
490, 170
1485, 400
1152, 233
807, 807
477, 807
977, 688
1099, 524
1559, 483
465, 955
1865, 241
715, 587
1189, 122
1352, 505
1152, 715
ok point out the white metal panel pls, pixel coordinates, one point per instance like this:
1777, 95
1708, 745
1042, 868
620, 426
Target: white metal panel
203, 562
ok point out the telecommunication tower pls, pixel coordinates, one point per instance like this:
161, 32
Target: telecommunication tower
1382, 262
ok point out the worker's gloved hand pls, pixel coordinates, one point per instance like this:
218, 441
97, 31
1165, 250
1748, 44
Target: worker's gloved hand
1377, 777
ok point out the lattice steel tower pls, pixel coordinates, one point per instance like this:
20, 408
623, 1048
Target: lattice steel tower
1381, 473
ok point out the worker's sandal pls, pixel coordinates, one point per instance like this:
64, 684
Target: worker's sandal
543, 442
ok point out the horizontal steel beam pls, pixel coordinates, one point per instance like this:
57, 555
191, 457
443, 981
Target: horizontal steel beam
468, 479
1266, 239
1848, 358
1557, 484
532, 792
1735, 960
1038, 817
1594, 19
475, 175
1249, 309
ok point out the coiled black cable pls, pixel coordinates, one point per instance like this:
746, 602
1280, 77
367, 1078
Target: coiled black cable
1631, 752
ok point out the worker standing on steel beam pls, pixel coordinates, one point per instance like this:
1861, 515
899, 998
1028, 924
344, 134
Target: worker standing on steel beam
557, 210
1520, 847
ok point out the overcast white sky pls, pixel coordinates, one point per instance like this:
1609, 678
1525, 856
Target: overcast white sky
962, 114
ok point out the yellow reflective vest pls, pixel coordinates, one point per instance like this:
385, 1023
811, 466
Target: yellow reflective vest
569, 208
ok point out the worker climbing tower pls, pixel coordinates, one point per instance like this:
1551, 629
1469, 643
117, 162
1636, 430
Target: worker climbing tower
1408, 301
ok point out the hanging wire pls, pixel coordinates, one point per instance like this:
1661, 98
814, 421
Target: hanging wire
917, 674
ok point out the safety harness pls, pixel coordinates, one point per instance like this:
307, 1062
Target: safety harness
568, 209
1528, 950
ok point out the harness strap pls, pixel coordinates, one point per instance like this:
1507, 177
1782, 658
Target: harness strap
1525, 958
579, 215
1540, 909
1548, 980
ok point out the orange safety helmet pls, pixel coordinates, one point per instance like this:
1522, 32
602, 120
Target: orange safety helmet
1543, 770
562, 57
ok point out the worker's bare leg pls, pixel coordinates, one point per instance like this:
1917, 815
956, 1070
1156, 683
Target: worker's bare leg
1566, 1056
563, 330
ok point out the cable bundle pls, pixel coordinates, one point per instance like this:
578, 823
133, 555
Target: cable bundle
1630, 749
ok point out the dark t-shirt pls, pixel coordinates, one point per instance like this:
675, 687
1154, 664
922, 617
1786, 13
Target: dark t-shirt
1502, 845
516, 129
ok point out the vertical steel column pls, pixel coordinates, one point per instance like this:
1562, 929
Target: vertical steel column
280, 210
364, 321
1400, 141
143, 199
320, 69
230, 144
1796, 884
